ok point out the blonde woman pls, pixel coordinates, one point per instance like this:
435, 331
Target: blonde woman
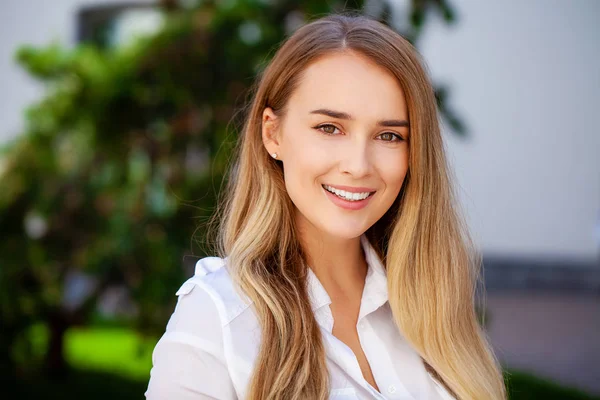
344, 270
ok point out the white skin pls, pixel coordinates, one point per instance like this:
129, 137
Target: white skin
320, 149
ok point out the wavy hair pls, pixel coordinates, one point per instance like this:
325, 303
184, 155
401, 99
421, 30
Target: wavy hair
432, 265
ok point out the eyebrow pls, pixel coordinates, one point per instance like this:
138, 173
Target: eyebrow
343, 115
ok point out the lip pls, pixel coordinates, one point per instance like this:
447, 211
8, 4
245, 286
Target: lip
351, 189
346, 204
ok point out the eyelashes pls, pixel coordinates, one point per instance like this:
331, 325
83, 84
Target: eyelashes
394, 137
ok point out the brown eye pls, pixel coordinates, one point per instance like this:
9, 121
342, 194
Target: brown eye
390, 137
327, 129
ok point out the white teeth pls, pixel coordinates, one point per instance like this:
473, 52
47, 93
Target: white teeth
347, 195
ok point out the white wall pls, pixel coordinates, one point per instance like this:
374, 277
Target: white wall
525, 75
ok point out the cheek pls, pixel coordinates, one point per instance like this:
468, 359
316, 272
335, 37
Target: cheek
392, 170
305, 161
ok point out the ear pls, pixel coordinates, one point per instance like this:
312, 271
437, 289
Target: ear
270, 131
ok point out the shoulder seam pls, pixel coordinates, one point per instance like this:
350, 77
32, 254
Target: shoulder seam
227, 316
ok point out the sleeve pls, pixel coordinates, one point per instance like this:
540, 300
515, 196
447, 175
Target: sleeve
188, 362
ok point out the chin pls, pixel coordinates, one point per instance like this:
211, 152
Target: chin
344, 231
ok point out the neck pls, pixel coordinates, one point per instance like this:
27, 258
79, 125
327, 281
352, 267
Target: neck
339, 263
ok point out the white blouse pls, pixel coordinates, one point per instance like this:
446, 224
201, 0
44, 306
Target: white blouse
213, 336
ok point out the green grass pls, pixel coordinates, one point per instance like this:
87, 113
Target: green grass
115, 350
114, 363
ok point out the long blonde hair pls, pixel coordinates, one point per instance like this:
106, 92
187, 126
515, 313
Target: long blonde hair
432, 265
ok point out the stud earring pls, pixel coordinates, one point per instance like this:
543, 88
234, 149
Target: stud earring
274, 155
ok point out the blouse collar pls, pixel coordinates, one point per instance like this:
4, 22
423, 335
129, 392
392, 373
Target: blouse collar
374, 295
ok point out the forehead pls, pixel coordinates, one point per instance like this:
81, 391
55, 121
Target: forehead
349, 82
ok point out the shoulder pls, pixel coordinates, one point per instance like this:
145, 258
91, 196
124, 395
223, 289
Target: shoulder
207, 303
212, 283
190, 361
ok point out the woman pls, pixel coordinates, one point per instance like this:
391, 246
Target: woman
344, 269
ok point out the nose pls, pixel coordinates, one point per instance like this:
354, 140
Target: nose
355, 158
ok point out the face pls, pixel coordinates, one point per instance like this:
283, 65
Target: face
343, 141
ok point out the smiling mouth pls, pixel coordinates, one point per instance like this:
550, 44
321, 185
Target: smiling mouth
348, 196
